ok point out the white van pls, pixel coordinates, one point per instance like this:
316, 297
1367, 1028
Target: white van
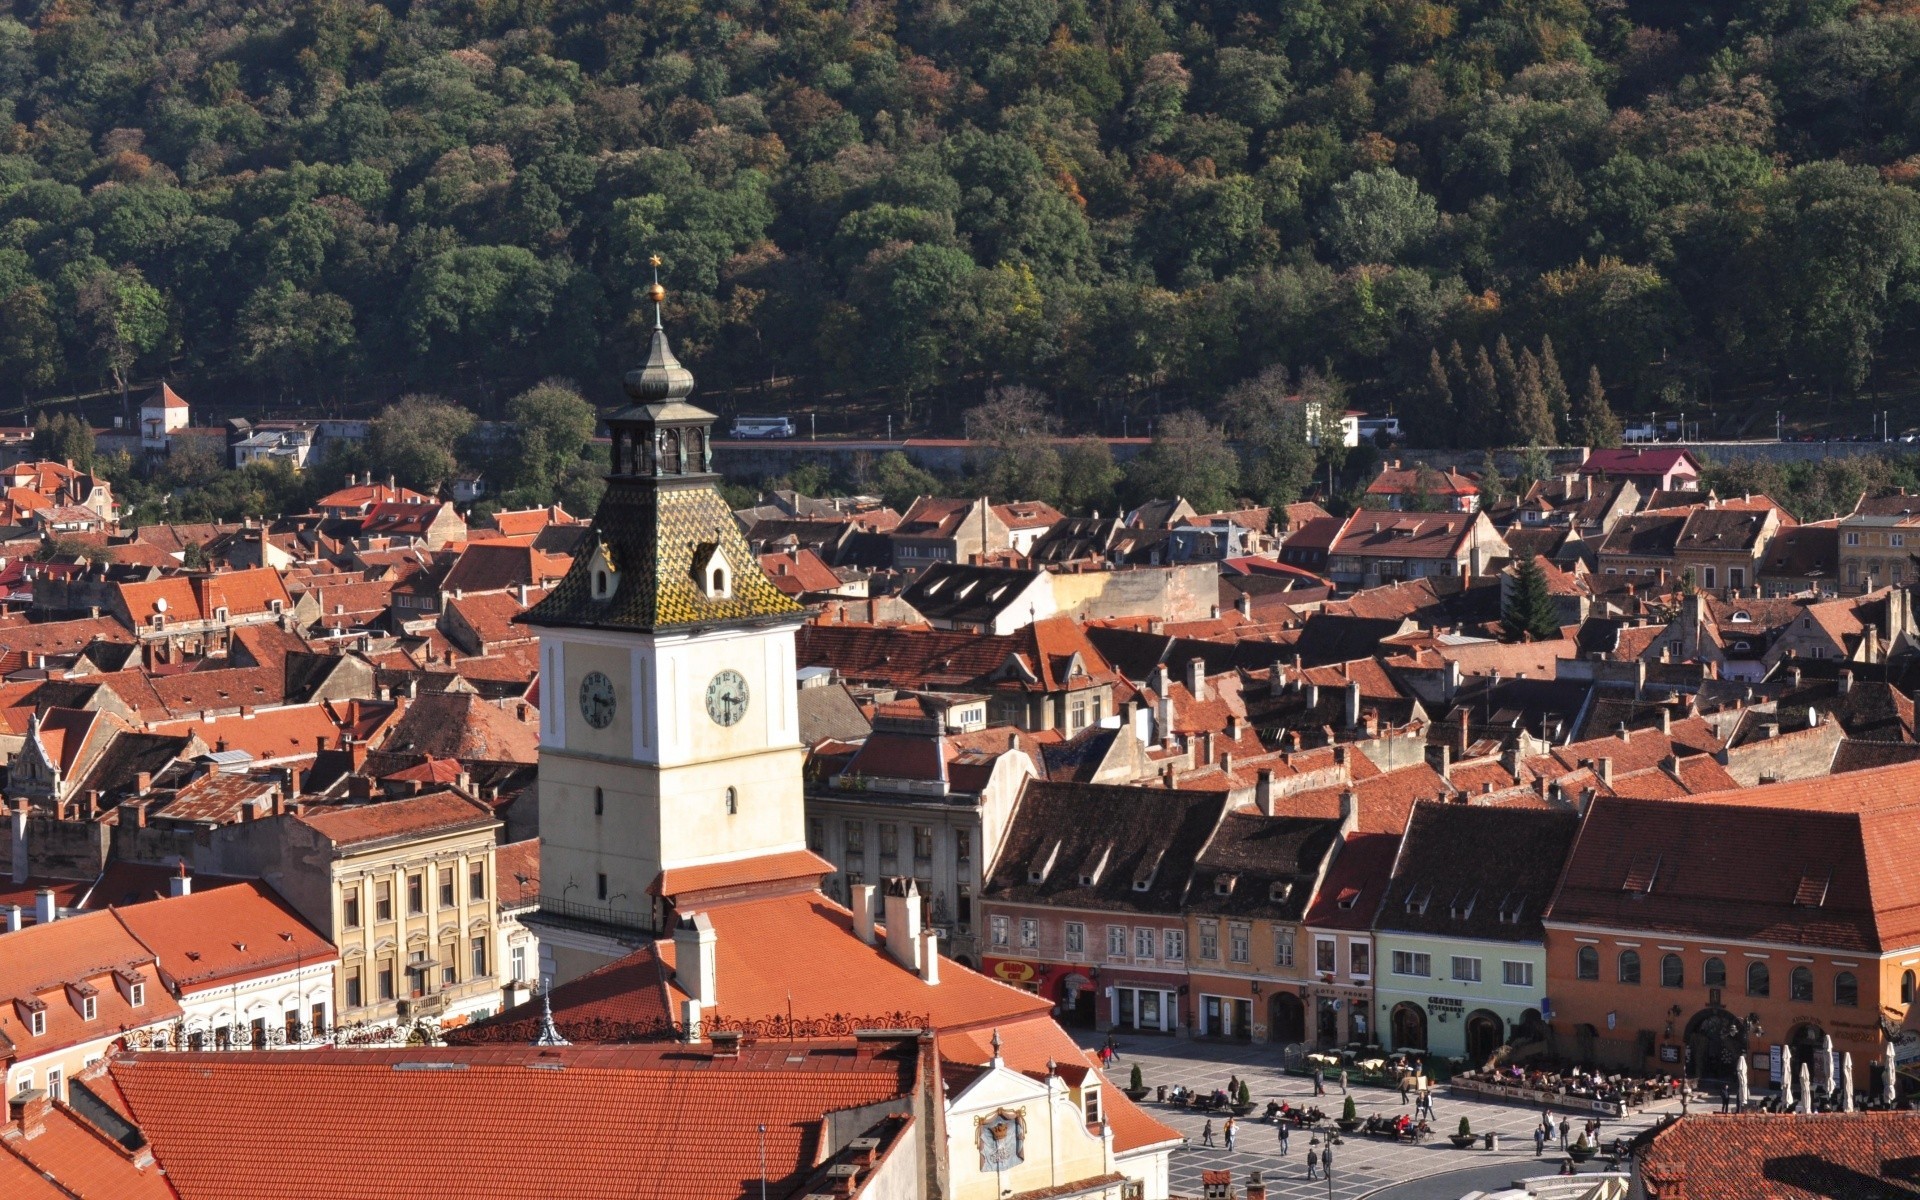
762, 427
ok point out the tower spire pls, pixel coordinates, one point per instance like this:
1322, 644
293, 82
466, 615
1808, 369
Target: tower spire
548, 1034
656, 293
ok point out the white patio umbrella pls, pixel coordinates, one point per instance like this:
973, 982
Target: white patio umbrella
1846, 1082
1745, 1089
1827, 1061
1786, 1076
1887, 1085
1804, 1102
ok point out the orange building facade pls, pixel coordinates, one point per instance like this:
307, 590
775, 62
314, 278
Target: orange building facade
1707, 935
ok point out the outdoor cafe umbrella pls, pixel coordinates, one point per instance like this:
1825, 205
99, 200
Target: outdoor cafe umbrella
1846, 1082
1888, 1084
1804, 1102
1740, 1077
1827, 1061
1786, 1077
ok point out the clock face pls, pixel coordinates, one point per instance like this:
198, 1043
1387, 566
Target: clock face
727, 698
596, 700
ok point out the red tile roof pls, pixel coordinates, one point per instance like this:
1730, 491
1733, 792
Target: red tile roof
663, 1121
36, 964
431, 815
1636, 462
516, 873
67, 1156
1732, 864
226, 936
275, 733
1395, 480
761, 868
1350, 894
799, 572
1783, 1156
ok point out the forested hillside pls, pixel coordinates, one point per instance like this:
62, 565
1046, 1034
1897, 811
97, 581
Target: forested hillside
1126, 205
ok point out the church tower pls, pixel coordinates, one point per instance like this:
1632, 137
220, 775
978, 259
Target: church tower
669, 727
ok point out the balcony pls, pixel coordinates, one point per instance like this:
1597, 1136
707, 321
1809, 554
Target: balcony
572, 912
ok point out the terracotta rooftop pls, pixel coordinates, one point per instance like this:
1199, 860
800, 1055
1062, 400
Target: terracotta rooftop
1783, 1156
665, 1121
430, 815
226, 936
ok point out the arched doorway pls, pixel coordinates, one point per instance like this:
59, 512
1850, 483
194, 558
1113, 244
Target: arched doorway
1716, 1044
1409, 1022
1485, 1032
1078, 1009
1809, 1044
1286, 1019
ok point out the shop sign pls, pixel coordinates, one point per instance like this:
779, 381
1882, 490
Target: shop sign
1448, 1002
1012, 970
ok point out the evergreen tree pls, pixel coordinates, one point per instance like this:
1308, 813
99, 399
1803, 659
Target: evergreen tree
1436, 421
1493, 489
1532, 422
1554, 384
1599, 428
1482, 412
1507, 372
1529, 612
1534, 467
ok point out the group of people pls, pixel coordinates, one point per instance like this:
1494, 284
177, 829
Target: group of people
1285, 1116
1630, 1091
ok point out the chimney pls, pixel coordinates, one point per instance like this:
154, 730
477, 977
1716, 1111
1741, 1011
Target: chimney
1263, 792
690, 1022
1603, 767
903, 922
694, 943
28, 1110
1349, 812
929, 957
1256, 1185
45, 911
1277, 678
1465, 738
15, 922
181, 883
18, 818
1197, 677
1165, 719
862, 897
1452, 679
1244, 605
142, 782
133, 815
1445, 768
1206, 749
1313, 695
1353, 703
1666, 718
526, 593
1846, 680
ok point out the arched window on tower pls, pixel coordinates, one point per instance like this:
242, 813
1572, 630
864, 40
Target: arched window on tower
733, 802
1759, 980
1629, 966
1586, 963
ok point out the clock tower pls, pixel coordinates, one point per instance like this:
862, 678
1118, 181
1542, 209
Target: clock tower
669, 728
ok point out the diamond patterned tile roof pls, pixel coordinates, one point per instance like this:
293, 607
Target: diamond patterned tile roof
652, 536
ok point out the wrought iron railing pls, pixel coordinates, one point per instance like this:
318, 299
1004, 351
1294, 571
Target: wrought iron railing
599, 914
773, 1029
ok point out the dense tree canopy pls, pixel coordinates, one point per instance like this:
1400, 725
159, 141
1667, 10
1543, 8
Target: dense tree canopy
1132, 207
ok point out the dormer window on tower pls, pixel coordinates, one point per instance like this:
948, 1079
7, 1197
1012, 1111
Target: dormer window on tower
712, 572
603, 577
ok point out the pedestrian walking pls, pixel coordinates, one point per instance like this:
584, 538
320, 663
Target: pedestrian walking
1229, 1133
1233, 1088
1326, 1159
1566, 1132
1283, 1139
1112, 1048
1539, 1141
1343, 1081
1313, 1163
1319, 1082
1206, 1134
1406, 1089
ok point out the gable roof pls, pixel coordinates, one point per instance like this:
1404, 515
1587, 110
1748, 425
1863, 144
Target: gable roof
1637, 462
225, 936
1129, 849
1731, 864
1442, 884
1783, 1156
432, 814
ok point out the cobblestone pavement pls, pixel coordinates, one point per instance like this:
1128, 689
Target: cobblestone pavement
1362, 1165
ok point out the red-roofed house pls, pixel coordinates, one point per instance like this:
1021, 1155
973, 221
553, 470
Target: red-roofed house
360, 495
1401, 489
1375, 548
68, 989
1769, 916
1649, 470
944, 530
246, 969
